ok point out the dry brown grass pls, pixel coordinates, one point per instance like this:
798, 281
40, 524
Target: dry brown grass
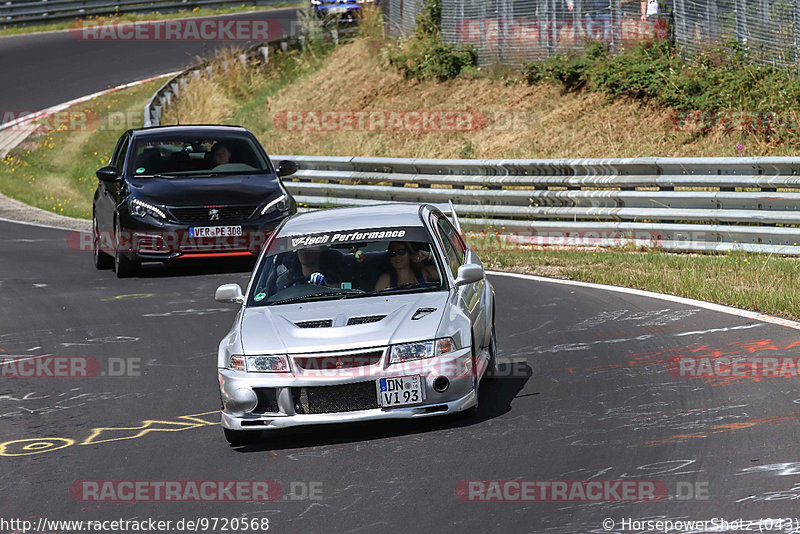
546, 123
522, 121
202, 101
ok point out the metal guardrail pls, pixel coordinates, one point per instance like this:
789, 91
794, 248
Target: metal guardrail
14, 13
682, 204
703, 204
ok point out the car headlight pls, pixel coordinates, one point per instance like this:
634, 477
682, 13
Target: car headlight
141, 209
279, 204
259, 364
267, 364
421, 349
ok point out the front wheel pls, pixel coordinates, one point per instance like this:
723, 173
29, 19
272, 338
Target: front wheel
101, 259
491, 366
123, 266
471, 412
240, 437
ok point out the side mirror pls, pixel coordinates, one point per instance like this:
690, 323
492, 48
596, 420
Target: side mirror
287, 167
229, 293
108, 174
468, 274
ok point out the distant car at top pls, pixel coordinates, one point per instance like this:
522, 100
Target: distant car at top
345, 10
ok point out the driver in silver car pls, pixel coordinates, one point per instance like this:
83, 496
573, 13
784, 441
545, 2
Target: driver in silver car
313, 265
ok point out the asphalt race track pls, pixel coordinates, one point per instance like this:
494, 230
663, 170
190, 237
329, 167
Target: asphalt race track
45, 69
589, 398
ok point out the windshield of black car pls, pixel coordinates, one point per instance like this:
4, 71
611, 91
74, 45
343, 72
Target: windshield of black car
346, 265
183, 156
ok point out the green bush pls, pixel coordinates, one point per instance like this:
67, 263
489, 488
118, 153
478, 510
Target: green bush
425, 56
723, 77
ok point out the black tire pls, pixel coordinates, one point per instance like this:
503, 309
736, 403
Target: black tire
123, 266
491, 367
472, 412
102, 260
240, 437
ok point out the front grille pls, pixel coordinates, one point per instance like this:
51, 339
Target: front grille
345, 361
364, 319
331, 399
267, 400
321, 323
202, 215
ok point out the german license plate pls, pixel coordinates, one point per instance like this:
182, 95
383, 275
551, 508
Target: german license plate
215, 231
337, 10
400, 391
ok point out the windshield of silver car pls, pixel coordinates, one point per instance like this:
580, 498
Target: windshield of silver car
347, 264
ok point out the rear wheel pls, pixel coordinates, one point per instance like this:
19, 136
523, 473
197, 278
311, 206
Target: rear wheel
240, 437
122, 265
101, 259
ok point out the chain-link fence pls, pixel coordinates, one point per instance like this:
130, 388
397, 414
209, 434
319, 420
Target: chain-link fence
517, 31
767, 28
400, 16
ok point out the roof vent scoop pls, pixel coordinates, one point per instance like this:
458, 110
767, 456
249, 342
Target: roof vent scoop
364, 319
322, 323
422, 312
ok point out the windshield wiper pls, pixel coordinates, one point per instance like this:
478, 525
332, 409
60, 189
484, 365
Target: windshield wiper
410, 286
156, 176
333, 294
421, 285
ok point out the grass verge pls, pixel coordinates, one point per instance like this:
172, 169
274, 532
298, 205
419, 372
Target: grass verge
762, 283
136, 17
54, 170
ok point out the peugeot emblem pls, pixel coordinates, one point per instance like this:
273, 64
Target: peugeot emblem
213, 214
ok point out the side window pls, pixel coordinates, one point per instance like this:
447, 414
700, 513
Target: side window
453, 259
449, 233
119, 156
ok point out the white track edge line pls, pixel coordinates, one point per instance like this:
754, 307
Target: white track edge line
730, 310
60, 107
41, 225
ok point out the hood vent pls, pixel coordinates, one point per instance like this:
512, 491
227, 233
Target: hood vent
422, 312
364, 319
321, 323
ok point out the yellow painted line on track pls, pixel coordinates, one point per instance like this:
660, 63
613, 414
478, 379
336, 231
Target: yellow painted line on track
27, 447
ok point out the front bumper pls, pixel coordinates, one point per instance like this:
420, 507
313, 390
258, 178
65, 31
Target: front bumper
147, 239
244, 406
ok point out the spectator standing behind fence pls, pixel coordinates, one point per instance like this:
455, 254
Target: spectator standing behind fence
598, 19
565, 29
649, 8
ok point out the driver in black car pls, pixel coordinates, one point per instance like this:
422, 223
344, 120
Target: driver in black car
313, 265
220, 154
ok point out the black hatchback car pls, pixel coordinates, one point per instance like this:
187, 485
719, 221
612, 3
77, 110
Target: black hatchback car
178, 192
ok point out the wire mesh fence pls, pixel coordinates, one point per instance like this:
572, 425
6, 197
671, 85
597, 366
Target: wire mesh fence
517, 31
768, 29
400, 16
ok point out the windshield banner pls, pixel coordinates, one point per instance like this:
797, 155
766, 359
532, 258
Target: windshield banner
342, 237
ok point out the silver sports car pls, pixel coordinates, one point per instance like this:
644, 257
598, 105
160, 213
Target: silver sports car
357, 314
